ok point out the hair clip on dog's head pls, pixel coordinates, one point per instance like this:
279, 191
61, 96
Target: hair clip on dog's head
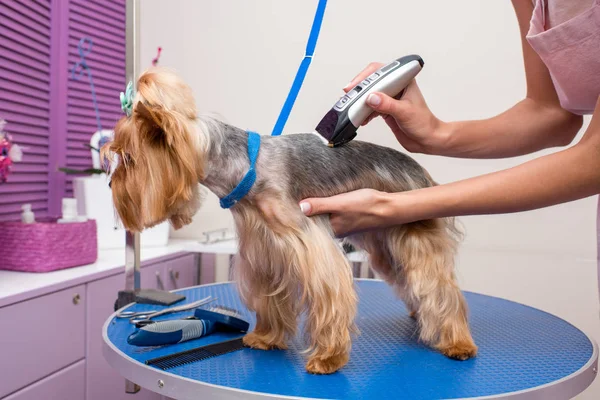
127, 99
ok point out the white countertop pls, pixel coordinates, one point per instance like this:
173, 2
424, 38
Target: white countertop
18, 286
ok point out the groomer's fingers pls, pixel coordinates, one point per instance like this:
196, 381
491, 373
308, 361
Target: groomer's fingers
374, 66
384, 104
406, 141
316, 206
370, 118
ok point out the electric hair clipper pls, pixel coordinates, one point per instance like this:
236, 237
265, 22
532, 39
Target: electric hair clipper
340, 124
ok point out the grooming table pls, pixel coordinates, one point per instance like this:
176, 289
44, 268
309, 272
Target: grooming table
524, 353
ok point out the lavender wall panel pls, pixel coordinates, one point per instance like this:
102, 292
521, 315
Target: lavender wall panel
104, 23
58, 114
25, 41
48, 112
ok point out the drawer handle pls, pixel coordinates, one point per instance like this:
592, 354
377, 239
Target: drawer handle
174, 277
159, 281
76, 299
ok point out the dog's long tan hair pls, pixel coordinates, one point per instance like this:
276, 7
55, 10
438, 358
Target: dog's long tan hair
158, 166
288, 263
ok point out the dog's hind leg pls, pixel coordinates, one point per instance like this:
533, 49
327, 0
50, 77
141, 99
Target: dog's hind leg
425, 250
382, 262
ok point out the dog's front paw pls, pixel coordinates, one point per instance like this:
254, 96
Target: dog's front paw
328, 365
262, 342
460, 351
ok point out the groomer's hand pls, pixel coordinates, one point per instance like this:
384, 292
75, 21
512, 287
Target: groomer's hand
411, 121
352, 212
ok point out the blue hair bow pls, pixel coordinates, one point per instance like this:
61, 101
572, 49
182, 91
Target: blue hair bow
127, 99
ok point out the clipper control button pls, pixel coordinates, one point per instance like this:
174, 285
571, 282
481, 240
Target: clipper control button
389, 66
365, 82
373, 77
340, 104
351, 94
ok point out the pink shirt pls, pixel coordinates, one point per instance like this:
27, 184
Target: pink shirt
566, 36
559, 11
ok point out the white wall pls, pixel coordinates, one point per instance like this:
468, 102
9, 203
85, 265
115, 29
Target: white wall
241, 56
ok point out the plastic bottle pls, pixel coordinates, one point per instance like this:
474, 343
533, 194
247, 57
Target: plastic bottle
27, 216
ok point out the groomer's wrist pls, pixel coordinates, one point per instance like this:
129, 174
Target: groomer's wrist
444, 138
421, 204
438, 141
401, 208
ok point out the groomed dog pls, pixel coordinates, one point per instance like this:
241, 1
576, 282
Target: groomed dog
287, 263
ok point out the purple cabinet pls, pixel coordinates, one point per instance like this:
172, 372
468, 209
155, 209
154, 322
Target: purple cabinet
102, 382
52, 344
41, 336
66, 384
181, 272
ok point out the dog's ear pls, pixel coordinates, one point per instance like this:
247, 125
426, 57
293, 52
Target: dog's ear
150, 121
164, 110
124, 143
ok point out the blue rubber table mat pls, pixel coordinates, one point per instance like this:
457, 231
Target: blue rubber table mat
519, 348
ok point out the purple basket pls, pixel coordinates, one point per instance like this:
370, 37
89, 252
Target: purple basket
47, 246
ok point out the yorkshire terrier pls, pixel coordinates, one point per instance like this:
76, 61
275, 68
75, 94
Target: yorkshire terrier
287, 263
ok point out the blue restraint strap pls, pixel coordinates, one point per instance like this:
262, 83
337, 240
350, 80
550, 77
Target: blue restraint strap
246, 183
302, 70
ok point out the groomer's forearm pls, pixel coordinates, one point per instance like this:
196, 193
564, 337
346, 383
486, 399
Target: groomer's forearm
525, 128
557, 178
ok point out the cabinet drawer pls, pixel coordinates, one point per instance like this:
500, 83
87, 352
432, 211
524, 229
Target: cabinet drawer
101, 381
41, 336
181, 272
66, 384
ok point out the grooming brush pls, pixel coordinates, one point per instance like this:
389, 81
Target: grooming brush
197, 354
341, 122
203, 323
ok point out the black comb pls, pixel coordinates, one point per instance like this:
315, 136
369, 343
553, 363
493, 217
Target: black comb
197, 354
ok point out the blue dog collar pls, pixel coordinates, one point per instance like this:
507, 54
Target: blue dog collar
246, 183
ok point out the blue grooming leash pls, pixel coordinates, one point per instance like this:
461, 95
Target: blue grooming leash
302, 70
82, 66
246, 183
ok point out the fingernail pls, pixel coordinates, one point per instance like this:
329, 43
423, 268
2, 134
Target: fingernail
305, 207
374, 100
347, 85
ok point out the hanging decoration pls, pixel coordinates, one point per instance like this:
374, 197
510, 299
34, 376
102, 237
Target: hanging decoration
155, 59
81, 67
84, 48
10, 152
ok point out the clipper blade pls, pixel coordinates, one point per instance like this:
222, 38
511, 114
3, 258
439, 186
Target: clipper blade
336, 128
326, 127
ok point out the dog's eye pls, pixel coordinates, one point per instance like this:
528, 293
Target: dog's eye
110, 184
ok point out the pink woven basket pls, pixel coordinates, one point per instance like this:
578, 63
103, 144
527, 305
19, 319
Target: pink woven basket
47, 246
